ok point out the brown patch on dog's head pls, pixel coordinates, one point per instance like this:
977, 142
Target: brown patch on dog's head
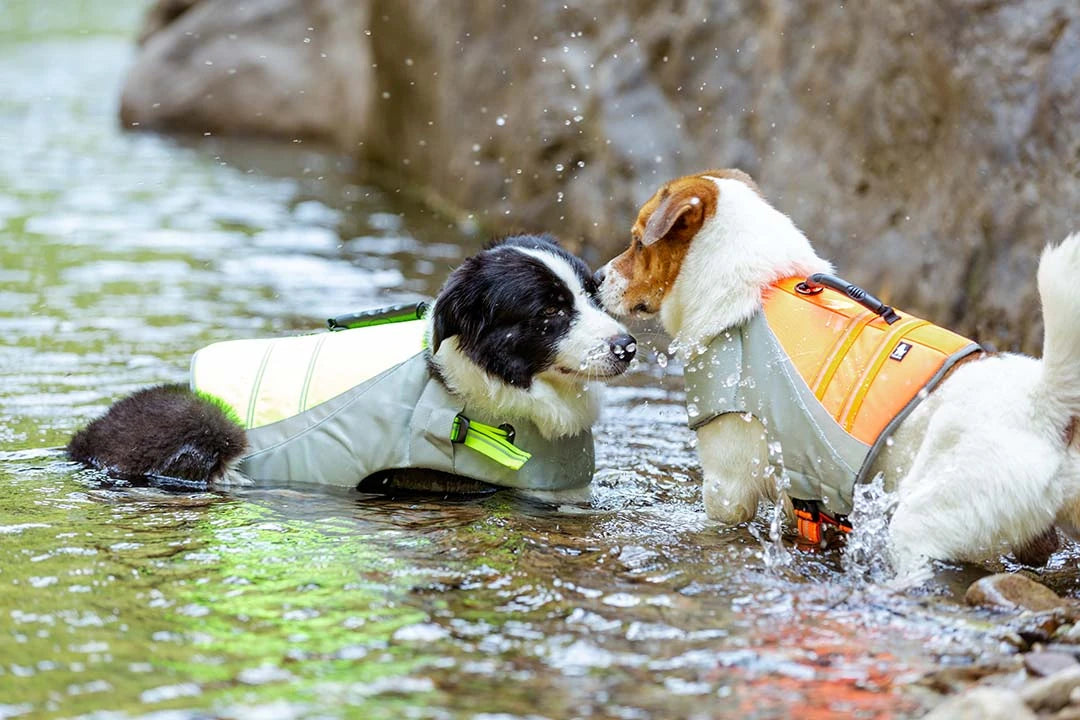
661, 237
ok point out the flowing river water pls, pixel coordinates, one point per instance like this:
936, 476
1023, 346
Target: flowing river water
122, 253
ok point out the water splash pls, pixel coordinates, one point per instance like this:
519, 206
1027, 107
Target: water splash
866, 556
775, 553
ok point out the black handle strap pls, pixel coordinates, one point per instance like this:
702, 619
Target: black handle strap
813, 285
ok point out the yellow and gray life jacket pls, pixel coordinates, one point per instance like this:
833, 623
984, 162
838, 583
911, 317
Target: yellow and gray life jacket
830, 374
336, 408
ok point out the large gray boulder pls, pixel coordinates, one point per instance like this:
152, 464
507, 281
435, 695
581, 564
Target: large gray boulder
929, 148
284, 68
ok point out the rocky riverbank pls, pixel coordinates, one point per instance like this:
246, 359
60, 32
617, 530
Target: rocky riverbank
1038, 675
929, 148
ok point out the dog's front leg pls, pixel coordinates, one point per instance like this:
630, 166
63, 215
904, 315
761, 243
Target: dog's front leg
1068, 515
734, 458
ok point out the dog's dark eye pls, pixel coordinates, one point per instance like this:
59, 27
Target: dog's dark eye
550, 310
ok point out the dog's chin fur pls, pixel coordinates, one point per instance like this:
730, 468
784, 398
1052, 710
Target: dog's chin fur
558, 404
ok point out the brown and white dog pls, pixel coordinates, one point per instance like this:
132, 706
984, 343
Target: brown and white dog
987, 464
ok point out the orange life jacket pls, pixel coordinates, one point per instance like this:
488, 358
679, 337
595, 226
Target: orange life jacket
861, 369
830, 379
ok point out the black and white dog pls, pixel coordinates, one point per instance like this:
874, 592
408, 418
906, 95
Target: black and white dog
517, 331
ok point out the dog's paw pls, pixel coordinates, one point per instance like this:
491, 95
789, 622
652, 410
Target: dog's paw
727, 504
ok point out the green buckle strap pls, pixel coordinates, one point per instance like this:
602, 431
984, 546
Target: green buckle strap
496, 443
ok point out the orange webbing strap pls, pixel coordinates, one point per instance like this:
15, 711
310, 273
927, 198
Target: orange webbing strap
809, 527
809, 521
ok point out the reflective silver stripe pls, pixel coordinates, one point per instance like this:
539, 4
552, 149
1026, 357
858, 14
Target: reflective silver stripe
886, 433
745, 370
302, 406
250, 420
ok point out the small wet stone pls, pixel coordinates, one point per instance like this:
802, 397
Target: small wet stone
983, 703
1030, 628
1012, 592
1044, 663
1054, 692
955, 678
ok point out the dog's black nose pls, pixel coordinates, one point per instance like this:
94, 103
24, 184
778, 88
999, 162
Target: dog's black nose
599, 275
623, 347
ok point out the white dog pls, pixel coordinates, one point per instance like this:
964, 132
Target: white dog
988, 463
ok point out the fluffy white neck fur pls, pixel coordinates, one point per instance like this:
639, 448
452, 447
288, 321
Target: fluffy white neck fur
558, 405
743, 248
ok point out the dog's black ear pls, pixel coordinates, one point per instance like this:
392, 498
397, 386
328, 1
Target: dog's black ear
442, 326
447, 313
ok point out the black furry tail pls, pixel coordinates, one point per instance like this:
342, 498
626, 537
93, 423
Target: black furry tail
163, 432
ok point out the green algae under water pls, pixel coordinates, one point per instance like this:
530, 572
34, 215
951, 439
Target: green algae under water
122, 253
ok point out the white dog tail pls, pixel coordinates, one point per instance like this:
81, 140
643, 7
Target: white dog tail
1059, 290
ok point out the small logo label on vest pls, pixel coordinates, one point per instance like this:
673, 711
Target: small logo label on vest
900, 351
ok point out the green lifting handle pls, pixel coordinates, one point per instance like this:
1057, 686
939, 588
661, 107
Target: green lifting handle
379, 316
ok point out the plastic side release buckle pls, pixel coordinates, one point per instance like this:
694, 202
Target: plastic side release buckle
494, 443
811, 523
459, 429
